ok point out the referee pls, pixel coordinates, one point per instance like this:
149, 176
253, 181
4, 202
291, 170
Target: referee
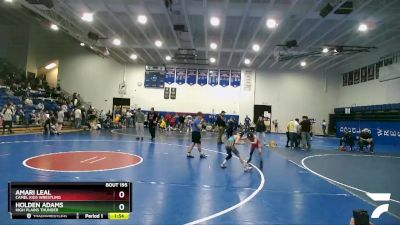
196, 136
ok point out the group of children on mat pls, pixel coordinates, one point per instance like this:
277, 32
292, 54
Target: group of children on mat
233, 137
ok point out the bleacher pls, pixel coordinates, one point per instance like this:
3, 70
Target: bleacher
395, 107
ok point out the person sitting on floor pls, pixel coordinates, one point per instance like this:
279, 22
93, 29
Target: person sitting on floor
346, 140
366, 139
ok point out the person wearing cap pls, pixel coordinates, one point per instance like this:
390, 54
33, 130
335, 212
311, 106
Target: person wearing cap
139, 125
221, 126
366, 139
196, 136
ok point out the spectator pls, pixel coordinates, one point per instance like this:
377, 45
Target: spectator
247, 122
78, 117
260, 129
324, 127
128, 118
366, 139
292, 130
139, 124
275, 122
28, 101
347, 140
152, 118
305, 133
221, 126
8, 114
60, 121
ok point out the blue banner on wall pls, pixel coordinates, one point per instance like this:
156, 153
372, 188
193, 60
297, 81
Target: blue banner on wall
191, 76
202, 77
235, 78
383, 132
170, 76
213, 77
180, 75
224, 77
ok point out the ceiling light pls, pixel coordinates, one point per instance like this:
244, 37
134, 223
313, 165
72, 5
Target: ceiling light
214, 21
325, 50
8, 0
133, 56
363, 27
82, 44
168, 58
142, 19
53, 26
88, 17
213, 45
247, 61
303, 63
158, 43
271, 23
256, 47
212, 60
116, 42
50, 66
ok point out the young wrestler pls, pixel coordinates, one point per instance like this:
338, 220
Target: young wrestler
196, 136
234, 138
255, 143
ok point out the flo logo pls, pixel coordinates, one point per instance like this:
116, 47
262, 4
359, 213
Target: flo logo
379, 197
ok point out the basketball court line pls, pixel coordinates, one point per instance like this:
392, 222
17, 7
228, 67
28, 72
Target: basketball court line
220, 213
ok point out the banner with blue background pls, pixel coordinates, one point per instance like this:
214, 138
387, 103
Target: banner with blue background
191, 76
213, 77
235, 78
224, 77
180, 75
170, 76
383, 132
202, 77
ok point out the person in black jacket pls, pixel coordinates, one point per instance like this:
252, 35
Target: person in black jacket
221, 124
366, 139
152, 118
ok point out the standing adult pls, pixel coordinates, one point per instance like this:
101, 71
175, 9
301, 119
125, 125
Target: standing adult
8, 113
324, 127
276, 126
292, 130
139, 124
260, 129
60, 121
305, 133
152, 118
196, 136
78, 117
221, 126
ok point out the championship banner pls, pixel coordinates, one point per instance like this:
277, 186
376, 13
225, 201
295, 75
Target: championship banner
224, 77
377, 66
344, 79
350, 78
173, 93
202, 77
383, 132
364, 74
213, 77
180, 75
235, 78
191, 76
371, 72
170, 75
356, 76
166, 92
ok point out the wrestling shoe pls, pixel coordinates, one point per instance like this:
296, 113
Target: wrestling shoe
223, 165
189, 156
203, 156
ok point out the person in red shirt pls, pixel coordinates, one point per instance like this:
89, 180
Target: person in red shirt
255, 143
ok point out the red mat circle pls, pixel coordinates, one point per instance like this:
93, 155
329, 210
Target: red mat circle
82, 161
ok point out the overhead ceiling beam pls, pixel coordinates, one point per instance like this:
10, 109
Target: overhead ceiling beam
226, 5
170, 25
351, 30
320, 38
111, 13
311, 10
259, 26
187, 21
244, 16
156, 29
205, 21
368, 41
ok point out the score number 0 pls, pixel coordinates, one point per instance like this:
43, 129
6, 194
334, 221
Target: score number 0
121, 206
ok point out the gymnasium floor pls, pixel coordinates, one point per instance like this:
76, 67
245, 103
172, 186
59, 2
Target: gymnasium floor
168, 188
